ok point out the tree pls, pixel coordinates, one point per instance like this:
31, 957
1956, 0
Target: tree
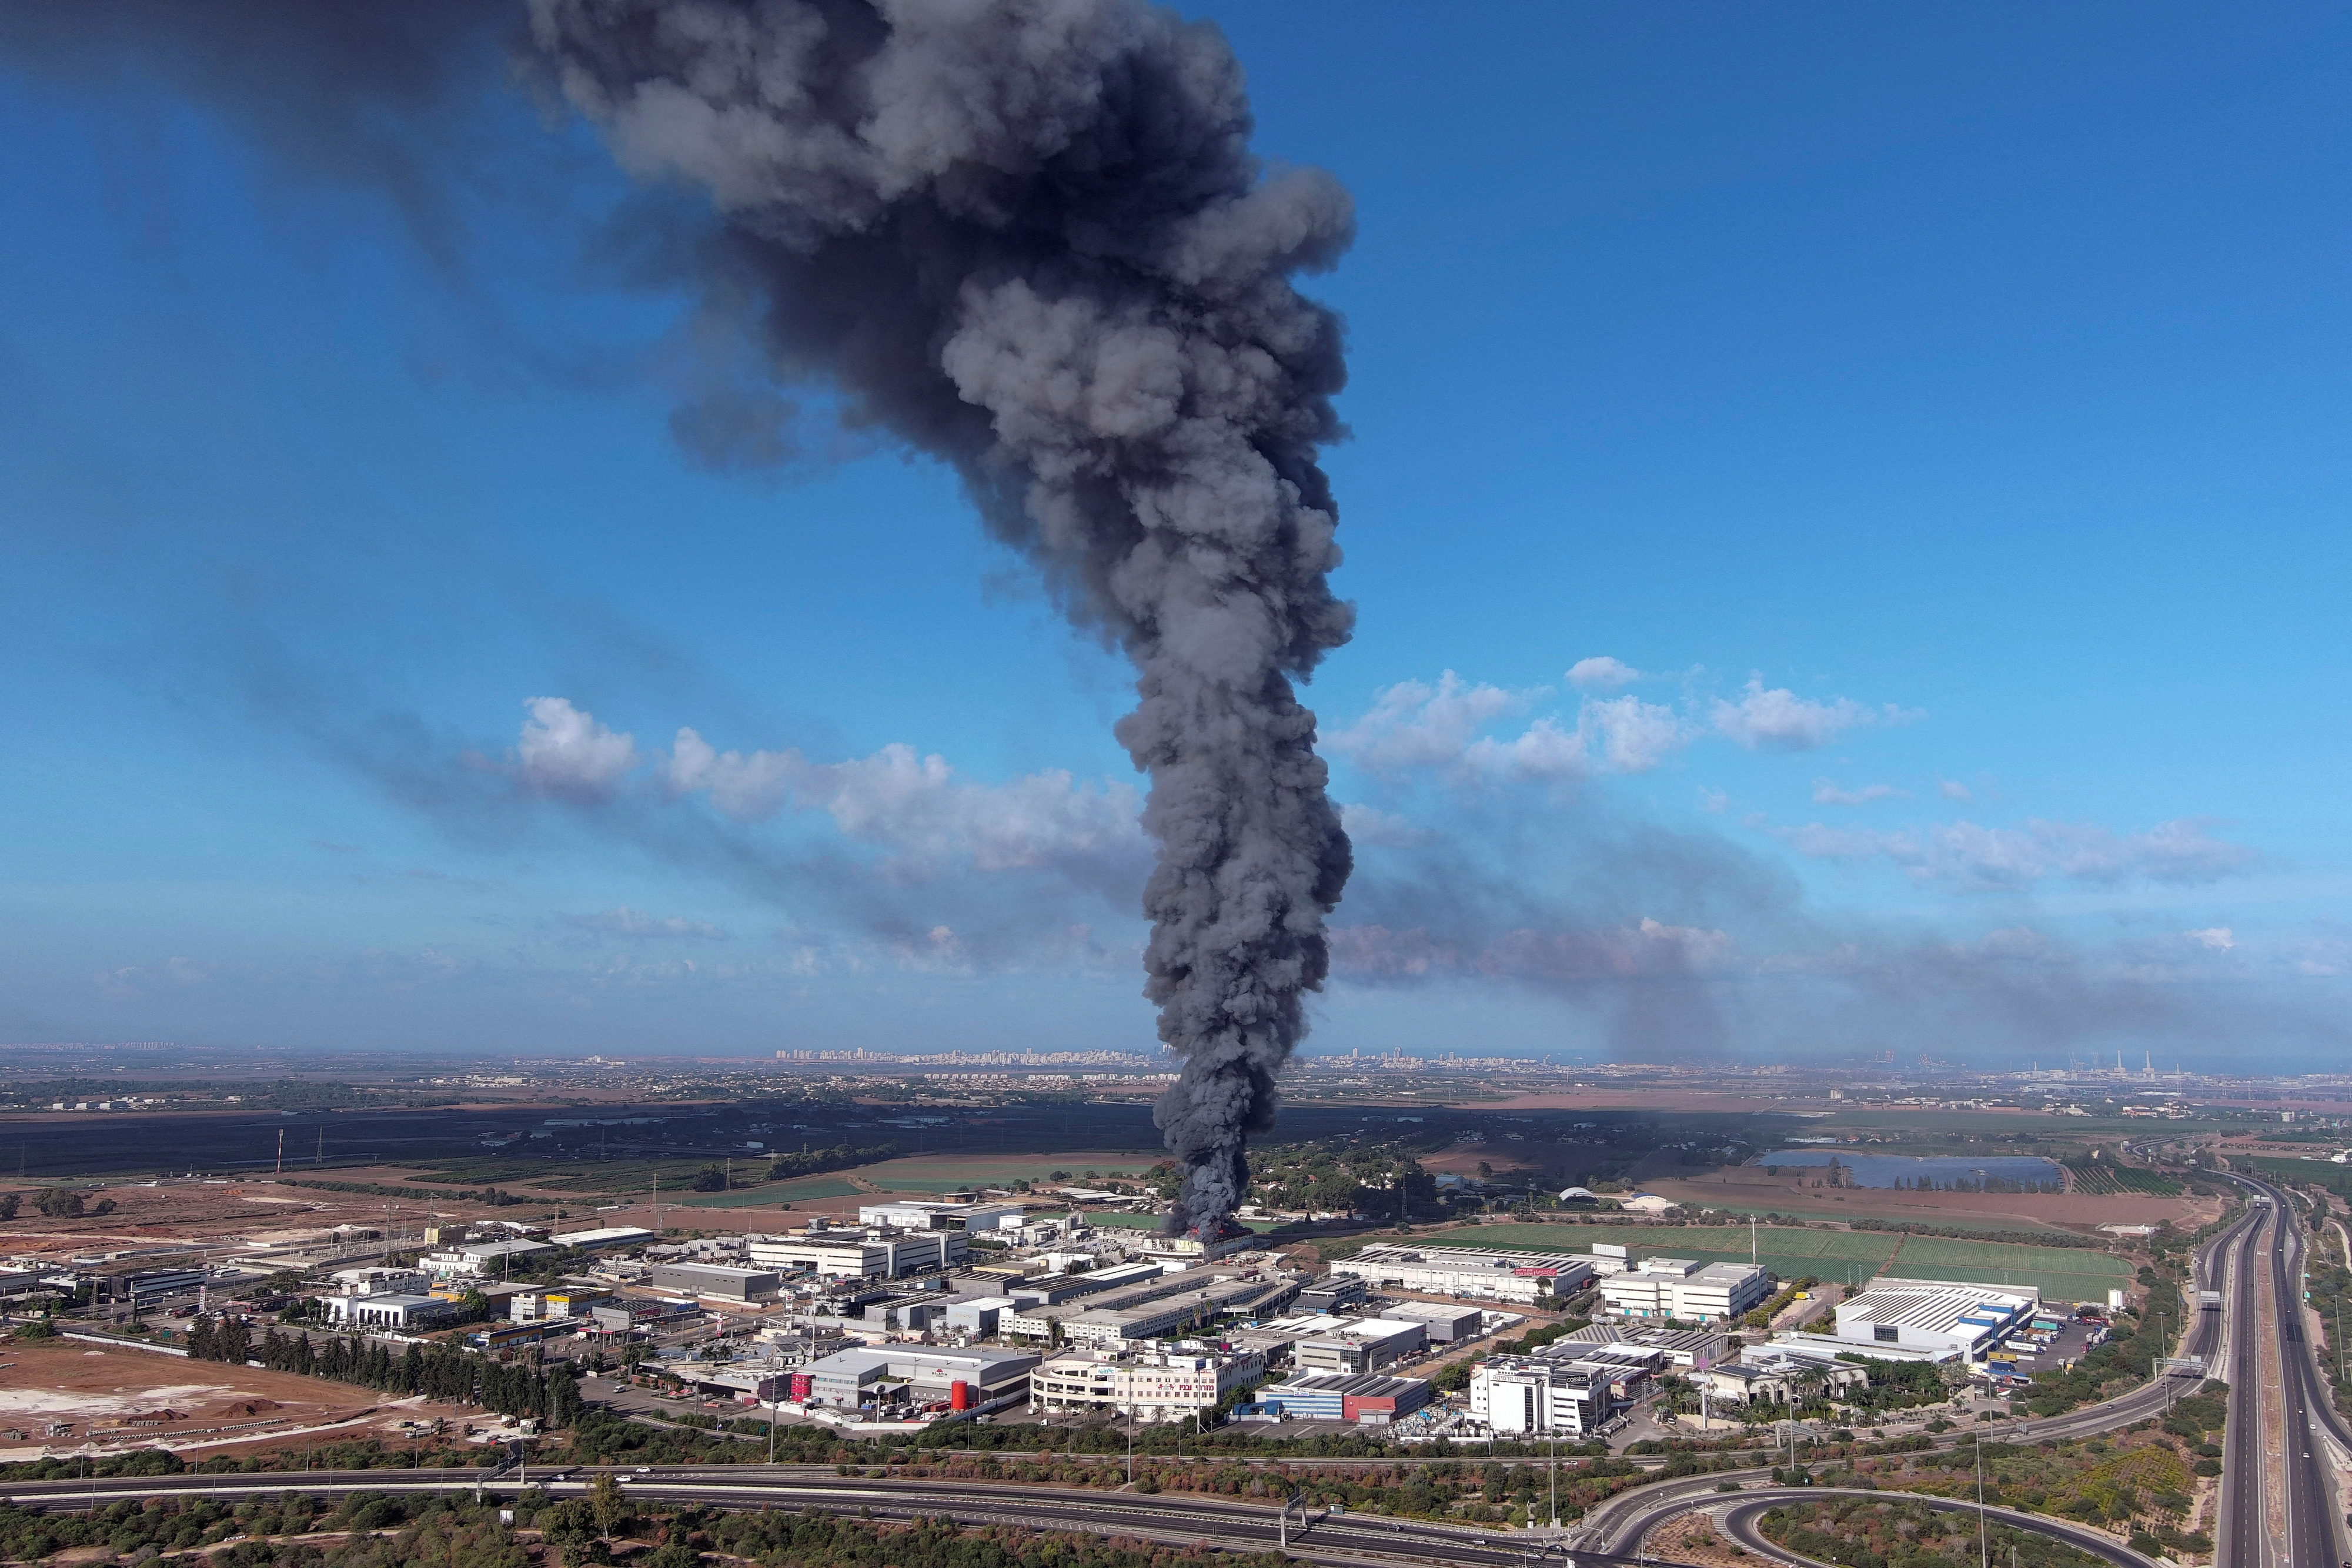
605, 1500
8, 1205
59, 1203
710, 1178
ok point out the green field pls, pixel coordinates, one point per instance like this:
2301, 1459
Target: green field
918, 1173
2061, 1274
1809, 1211
1833, 1257
776, 1192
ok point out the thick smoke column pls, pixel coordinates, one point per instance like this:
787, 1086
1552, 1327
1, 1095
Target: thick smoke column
1029, 237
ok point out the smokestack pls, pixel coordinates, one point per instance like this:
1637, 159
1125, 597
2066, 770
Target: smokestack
1029, 237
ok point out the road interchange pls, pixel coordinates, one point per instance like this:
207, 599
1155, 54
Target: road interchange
2277, 1510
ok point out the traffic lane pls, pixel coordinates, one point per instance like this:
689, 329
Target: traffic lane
1741, 1522
1179, 1520
2240, 1513
2311, 1512
1114, 1512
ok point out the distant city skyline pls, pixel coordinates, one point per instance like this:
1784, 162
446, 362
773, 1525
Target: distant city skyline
1842, 512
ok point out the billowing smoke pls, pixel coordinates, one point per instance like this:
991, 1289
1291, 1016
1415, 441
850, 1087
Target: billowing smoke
1026, 236
1029, 237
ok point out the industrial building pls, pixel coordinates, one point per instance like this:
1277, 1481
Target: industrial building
858, 1254
1519, 1277
923, 1215
1446, 1323
1944, 1318
546, 1306
389, 1311
918, 1374
1686, 1290
1148, 1385
1692, 1349
1367, 1399
1213, 1299
481, 1258
718, 1281
601, 1240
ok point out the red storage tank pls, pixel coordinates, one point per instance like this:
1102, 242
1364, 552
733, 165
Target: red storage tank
959, 1395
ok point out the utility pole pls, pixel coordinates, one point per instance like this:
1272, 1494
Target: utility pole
1984, 1558
281, 1154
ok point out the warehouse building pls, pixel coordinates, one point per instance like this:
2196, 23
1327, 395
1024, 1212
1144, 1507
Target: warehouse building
1367, 1399
1690, 1349
1519, 1277
923, 1215
1944, 1318
859, 1254
718, 1281
1686, 1290
602, 1239
916, 1373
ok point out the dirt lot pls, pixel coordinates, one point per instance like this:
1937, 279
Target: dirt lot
234, 1213
113, 1398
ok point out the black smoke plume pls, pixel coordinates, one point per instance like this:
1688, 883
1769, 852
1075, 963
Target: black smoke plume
1026, 236
1029, 237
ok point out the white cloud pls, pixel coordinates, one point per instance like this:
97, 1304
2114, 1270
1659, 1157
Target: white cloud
1827, 793
915, 806
2217, 937
1780, 720
564, 751
1953, 790
1978, 856
637, 925
1629, 735
1415, 724
1602, 674
1715, 800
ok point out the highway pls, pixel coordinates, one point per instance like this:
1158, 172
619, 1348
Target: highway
1172, 1518
1618, 1525
2258, 1258
2278, 1502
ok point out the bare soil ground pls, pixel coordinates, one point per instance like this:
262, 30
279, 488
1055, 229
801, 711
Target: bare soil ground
235, 1213
112, 1398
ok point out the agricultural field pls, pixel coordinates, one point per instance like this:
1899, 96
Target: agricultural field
2104, 1178
1833, 1257
2061, 1274
930, 1175
801, 1191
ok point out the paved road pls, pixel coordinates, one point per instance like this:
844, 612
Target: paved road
2278, 1503
1181, 1519
1618, 1524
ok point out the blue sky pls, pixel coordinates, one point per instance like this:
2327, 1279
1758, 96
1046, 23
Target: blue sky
1934, 419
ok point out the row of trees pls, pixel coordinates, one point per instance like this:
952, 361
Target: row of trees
442, 1372
56, 1202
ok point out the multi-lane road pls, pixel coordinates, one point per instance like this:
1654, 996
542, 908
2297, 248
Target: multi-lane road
2278, 1509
